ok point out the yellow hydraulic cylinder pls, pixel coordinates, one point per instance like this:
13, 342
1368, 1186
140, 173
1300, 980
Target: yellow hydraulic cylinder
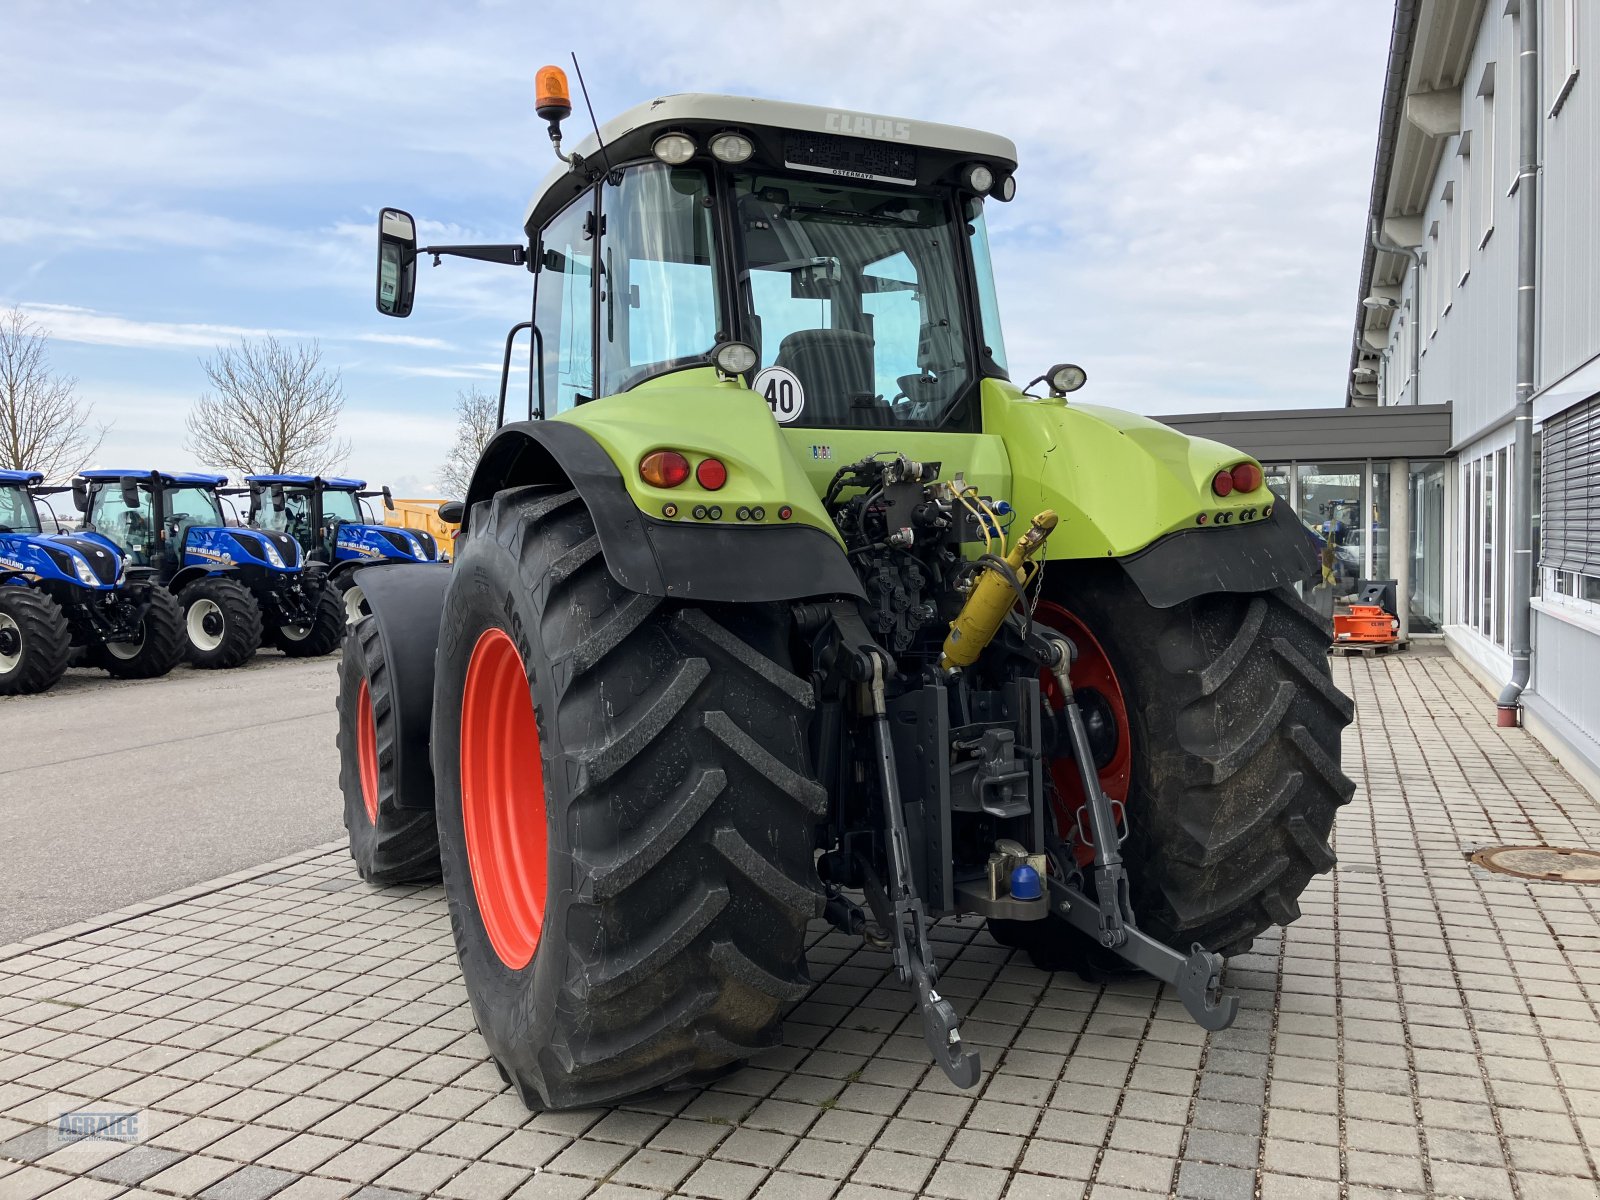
992, 596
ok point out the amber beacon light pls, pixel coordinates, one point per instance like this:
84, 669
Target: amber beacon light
552, 97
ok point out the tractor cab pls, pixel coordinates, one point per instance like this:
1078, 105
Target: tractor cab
174, 523
332, 518
18, 513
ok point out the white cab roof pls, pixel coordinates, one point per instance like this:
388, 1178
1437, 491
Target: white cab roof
665, 112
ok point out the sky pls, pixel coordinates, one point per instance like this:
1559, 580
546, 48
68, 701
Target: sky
176, 176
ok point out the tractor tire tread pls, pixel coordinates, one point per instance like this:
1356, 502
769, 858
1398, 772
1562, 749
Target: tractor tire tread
46, 641
241, 623
679, 743
402, 845
164, 642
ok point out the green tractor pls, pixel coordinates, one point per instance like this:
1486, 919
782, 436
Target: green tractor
785, 602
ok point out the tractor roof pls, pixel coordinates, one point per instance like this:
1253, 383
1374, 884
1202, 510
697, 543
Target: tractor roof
630, 135
193, 478
24, 477
337, 482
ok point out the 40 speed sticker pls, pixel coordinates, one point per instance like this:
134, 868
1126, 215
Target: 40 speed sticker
781, 389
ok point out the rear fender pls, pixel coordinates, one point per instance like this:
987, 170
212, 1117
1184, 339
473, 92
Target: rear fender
685, 560
1138, 492
407, 600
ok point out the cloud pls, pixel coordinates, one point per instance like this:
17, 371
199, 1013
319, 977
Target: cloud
69, 323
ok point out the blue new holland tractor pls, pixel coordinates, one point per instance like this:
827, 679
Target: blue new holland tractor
237, 587
65, 592
331, 519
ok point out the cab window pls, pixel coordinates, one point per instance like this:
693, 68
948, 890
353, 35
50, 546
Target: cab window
564, 306
128, 527
658, 296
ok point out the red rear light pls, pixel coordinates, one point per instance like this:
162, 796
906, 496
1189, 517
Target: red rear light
664, 468
1222, 483
711, 474
1246, 477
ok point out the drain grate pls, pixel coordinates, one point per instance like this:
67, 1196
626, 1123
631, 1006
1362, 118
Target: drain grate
1554, 863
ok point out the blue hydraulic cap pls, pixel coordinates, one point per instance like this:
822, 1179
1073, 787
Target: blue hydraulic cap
1025, 883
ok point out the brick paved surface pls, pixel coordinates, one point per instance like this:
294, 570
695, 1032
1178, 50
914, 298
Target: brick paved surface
1425, 1029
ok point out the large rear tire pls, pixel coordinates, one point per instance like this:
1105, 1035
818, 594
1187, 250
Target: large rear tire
158, 649
389, 844
320, 637
626, 813
1234, 774
222, 624
34, 641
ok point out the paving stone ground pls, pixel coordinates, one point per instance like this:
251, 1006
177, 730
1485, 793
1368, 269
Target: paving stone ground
1426, 1029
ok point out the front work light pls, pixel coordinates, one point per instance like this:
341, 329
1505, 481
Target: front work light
1066, 377
1006, 189
733, 358
978, 178
674, 149
731, 148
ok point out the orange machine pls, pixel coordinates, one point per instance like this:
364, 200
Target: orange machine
1364, 623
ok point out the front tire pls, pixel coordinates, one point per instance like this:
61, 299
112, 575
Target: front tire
34, 641
221, 622
625, 811
320, 637
389, 844
159, 648
1234, 774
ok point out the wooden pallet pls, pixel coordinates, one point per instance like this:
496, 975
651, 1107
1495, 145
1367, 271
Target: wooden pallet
1366, 649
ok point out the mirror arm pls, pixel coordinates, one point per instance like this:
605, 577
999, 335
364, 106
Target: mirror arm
510, 255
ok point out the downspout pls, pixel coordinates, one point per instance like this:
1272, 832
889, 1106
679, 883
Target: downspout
1416, 291
1522, 448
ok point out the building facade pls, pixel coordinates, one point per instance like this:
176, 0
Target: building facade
1480, 198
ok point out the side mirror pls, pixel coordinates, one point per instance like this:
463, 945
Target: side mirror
278, 500
397, 262
130, 491
451, 512
388, 498
80, 495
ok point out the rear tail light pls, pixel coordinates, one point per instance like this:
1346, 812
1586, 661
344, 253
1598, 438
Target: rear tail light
664, 468
1222, 483
1246, 477
711, 474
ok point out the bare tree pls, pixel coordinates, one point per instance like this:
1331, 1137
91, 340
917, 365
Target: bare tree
43, 425
477, 416
274, 409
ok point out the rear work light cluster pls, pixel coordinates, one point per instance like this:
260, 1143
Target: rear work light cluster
1246, 477
671, 468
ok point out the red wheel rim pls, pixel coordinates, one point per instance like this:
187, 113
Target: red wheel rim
1091, 670
502, 799
367, 751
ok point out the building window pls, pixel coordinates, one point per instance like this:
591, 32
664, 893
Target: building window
1450, 270
1486, 173
1486, 543
1561, 51
1569, 506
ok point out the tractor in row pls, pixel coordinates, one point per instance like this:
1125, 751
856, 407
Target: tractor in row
65, 593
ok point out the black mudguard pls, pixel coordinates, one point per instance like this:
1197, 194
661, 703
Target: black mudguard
733, 563
187, 575
407, 600
1241, 558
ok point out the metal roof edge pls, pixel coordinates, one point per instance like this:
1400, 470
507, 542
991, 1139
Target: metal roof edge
1402, 40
